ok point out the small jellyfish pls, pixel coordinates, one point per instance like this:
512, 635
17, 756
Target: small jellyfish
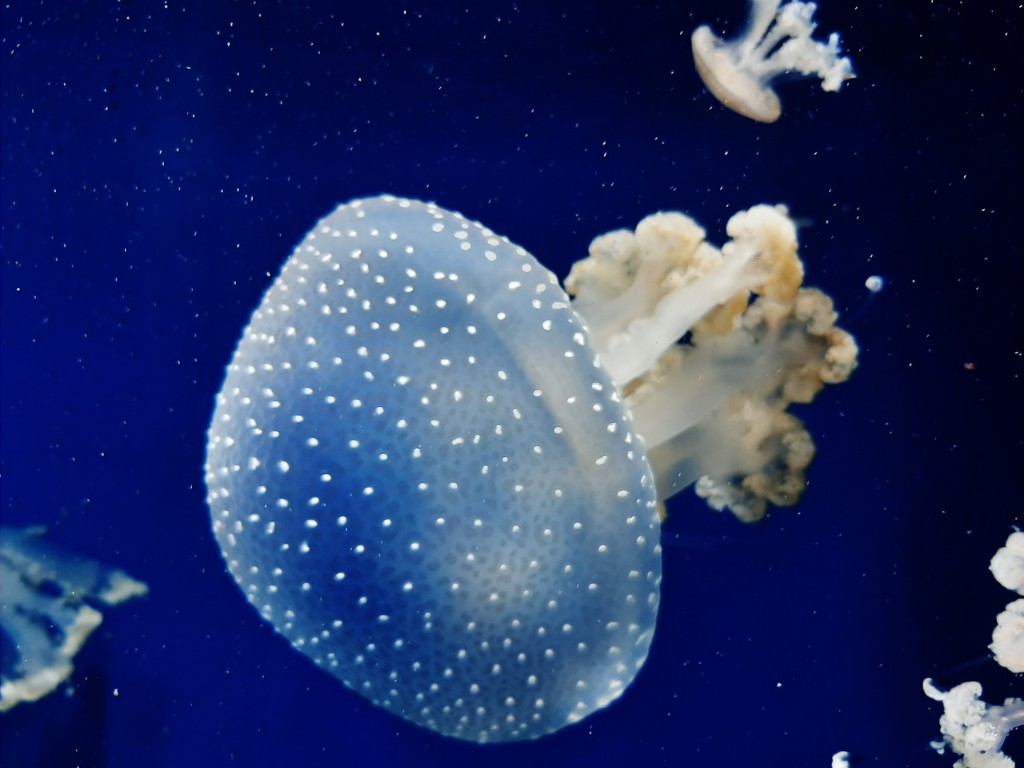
777, 41
973, 728
47, 599
438, 476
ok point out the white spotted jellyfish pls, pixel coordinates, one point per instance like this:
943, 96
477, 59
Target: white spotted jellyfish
440, 477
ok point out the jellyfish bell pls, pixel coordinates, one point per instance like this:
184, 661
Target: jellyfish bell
1007, 567
712, 409
438, 476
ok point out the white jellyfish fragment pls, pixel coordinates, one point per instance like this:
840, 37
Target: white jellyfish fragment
1007, 563
972, 728
875, 283
777, 40
48, 608
1008, 637
438, 476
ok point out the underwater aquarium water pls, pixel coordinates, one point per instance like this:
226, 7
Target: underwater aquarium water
161, 161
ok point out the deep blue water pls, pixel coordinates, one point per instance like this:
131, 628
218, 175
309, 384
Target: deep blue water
161, 160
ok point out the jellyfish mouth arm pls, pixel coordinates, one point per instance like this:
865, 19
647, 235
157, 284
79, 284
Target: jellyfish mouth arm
1007, 564
1008, 637
739, 458
970, 726
632, 351
769, 49
718, 416
973, 728
627, 273
639, 295
755, 40
710, 346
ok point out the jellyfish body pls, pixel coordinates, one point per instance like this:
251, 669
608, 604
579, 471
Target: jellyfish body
438, 476
777, 40
421, 475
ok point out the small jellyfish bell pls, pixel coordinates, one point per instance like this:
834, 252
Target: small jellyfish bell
777, 41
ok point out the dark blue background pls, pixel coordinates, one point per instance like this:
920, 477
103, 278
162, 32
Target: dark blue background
161, 160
